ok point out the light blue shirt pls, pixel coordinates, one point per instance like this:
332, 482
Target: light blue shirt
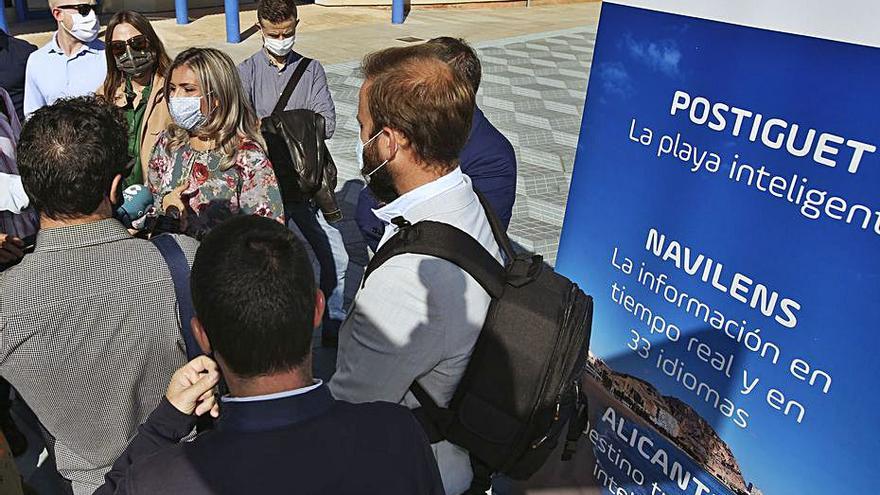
51, 74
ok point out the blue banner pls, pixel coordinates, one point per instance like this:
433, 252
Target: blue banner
724, 213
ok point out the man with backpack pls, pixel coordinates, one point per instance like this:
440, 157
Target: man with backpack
277, 79
487, 157
417, 317
486, 345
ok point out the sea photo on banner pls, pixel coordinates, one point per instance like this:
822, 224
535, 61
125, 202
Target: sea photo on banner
724, 214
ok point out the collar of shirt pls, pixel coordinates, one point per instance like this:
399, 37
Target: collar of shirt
267, 415
4, 40
94, 46
401, 206
279, 395
270, 61
82, 235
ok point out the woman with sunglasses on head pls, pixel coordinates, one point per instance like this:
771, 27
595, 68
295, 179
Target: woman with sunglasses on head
213, 156
135, 82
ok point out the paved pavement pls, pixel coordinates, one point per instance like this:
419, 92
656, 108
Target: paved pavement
342, 34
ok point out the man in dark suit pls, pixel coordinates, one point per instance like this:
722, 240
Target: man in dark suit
487, 157
279, 430
14, 54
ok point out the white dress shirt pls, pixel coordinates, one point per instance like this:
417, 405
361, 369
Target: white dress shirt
12, 196
277, 395
402, 205
418, 317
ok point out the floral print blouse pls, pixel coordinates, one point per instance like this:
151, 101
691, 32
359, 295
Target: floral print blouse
250, 185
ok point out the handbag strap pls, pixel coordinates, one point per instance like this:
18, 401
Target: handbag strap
291, 84
179, 268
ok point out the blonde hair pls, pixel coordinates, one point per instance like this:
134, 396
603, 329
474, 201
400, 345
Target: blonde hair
230, 118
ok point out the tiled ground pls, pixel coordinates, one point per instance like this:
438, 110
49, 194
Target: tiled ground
533, 90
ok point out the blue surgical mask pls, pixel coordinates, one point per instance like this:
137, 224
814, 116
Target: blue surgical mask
187, 112
359, 149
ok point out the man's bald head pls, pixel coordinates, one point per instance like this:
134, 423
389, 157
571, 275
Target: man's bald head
460, 56
411, 90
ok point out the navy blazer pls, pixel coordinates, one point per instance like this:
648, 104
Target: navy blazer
305, 444
487, 158
14, 54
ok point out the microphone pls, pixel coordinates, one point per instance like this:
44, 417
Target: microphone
137, 199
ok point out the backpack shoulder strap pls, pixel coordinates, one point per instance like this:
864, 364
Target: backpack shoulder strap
433, 418
446, 242
291, 84
179, 268
497, 230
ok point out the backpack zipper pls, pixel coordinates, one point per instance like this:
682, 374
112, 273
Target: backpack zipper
547, 378
565, 385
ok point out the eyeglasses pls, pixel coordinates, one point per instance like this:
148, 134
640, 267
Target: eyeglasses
82, 8
137, 43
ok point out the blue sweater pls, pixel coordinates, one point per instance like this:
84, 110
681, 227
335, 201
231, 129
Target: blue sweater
308, 444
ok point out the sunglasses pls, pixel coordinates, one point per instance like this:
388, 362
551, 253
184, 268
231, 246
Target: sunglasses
137, 43
82, 8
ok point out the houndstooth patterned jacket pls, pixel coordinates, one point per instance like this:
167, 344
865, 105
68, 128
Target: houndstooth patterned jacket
89, 336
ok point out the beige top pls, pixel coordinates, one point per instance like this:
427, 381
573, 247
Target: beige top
156, 118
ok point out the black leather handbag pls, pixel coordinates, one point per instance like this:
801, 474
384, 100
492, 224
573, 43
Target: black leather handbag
299, 155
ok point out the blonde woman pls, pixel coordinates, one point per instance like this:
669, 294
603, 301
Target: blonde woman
213, 152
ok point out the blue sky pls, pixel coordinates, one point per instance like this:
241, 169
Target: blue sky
620, 189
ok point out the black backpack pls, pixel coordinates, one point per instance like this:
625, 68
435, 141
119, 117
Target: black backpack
521, 385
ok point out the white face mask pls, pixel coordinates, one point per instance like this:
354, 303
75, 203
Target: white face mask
85, 28
359, 149
279, 47
187, 111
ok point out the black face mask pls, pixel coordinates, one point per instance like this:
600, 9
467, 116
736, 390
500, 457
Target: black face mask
136, 63
381, 183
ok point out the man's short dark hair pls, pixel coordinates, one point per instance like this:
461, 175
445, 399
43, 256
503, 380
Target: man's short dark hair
68, 154
254, 293
276, 11
457, 53
416, 93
